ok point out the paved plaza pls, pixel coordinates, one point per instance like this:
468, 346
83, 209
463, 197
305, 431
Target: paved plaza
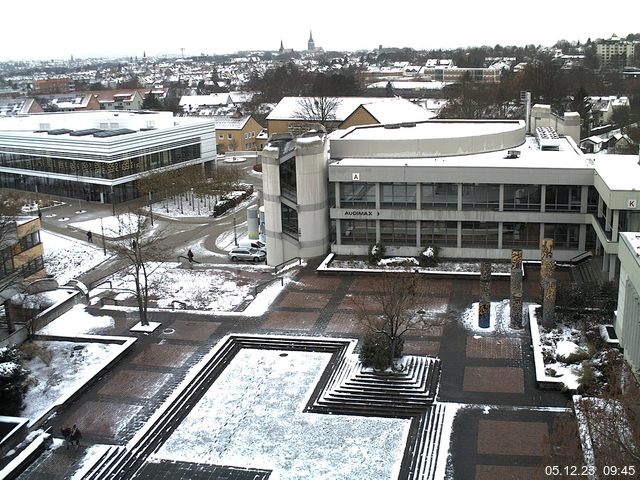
498, 431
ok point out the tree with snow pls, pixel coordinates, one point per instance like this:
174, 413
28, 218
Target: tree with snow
13, 384
399, 297
320, 109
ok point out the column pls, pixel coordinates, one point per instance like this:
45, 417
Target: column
549, 303
547, 264
484, 308
516, 289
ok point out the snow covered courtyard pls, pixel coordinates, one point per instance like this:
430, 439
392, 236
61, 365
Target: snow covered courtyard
66, 258
253, 418
59, 368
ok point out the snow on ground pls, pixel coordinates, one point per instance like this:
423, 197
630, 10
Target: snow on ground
77, 321
174, 208
208, 289
253, 417
66, 258
114, 226
556, 344
68, 368
498, 323
396, 263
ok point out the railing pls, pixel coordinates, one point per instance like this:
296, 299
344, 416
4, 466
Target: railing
258, 288
280, 266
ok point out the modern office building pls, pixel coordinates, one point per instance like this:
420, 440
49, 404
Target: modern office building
20, 253
98, 155
477, 189
627, 324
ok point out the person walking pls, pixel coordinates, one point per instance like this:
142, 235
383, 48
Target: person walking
190, 256
90, 236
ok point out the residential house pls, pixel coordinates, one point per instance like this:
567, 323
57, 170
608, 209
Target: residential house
130, 99
236, 133
19, 106
69, 102
20, 253
348, 111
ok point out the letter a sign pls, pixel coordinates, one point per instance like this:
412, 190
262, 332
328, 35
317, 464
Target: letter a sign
355, 177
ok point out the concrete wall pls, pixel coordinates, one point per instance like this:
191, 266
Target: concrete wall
627, 323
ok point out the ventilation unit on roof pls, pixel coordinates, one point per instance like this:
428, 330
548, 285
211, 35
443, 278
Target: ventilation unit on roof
513, 154
408, 124
390, 126
547, 138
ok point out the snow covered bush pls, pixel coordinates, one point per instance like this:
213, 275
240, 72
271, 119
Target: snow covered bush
430, 256
376, 253
376, 351
13, 381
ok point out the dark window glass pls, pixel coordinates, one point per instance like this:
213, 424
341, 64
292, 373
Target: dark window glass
522, 197
439, 195
358, 195
562, 198
565, 236
442, 234
520, 235
480, 234
480, 197
398, 195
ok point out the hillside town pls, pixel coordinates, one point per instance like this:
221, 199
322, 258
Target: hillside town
301, 263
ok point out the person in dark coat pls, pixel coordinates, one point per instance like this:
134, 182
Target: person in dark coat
90, 236
190, 256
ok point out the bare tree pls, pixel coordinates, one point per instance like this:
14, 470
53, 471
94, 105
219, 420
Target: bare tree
321, 110
398, 297
11, 278
137, 248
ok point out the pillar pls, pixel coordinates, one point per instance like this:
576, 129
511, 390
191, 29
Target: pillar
549, 303
515, 299
484, 308
252, 222
547, 264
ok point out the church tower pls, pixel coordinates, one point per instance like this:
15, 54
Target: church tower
281, 47
311, 45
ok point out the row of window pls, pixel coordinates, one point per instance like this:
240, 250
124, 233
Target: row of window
247, 136
445, 234
559, 198
108, 170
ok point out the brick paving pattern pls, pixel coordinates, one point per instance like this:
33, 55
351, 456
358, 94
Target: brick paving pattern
191, 330
164, 355
135, 383
285, 320
421, 347
511, 438
493, 379
507, 472
104, 418
304, 300
494, 347
345, 323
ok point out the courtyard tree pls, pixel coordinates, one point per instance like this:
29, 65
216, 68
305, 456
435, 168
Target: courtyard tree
319, 109
13, 381
398, 297
137, 248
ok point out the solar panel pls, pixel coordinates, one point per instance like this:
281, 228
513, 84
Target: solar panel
113, 133
85, 132
59, 131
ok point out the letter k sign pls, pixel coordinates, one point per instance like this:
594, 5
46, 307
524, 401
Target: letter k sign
632, 203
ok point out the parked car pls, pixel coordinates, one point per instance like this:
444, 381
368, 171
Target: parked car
257, 244
247, 253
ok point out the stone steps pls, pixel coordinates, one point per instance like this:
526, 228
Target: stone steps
425, 448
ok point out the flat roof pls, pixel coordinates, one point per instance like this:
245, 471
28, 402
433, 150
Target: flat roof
432, 129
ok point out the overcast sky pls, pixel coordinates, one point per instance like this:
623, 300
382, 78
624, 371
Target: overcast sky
45, 29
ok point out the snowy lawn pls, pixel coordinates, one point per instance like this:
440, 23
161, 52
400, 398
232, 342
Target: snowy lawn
77, 322
253, 418
410, 264
201, 289
66, 258
203, 207
59, 368
114, 226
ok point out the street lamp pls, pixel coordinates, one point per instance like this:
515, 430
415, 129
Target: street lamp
104, 246
235, 235
150, 209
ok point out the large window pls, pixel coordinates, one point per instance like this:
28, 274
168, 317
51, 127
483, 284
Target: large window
562, 198
480, 234
592, 200
520, 235
442, 234
480, 197
358, 195
359, 232
439, 195
398, 232
288, 187
398, 195
29, 241
289, 220
565, 236
522, 197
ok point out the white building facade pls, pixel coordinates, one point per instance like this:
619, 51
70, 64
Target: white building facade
98, 155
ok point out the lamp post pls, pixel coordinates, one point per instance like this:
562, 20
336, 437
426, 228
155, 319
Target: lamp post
235, 235
150, 209
104, 246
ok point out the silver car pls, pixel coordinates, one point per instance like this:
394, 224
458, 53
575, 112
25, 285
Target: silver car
247, 253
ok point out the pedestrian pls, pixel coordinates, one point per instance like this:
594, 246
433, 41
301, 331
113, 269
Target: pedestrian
190, 256
76, 435
89, 237
40, 214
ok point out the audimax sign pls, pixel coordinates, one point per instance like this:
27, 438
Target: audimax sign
360, 213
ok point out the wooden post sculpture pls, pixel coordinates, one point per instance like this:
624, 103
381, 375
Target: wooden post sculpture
515, 302
484, 308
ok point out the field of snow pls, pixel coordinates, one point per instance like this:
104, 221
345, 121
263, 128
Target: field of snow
77, 322
114, 226
65, 370
253, 417
66, 258
498, 323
